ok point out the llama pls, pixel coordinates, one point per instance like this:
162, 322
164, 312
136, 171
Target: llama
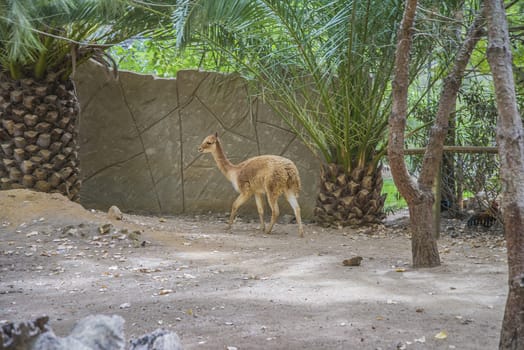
269, 174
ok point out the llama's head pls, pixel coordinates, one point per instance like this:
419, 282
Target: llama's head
209, 144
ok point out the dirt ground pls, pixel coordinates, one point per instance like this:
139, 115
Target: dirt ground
243, 289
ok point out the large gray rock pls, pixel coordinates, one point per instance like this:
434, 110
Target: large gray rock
157, 340
94, 332
22, 335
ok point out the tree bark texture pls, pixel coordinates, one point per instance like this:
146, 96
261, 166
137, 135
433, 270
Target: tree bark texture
423, 243
352, 199
419, 194
420, 200
397, 120
38, 135
510, 141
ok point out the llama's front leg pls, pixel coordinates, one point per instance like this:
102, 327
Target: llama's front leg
241, 199
260, 207
275, 211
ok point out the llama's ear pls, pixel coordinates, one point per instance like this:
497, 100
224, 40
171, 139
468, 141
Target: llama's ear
216, 133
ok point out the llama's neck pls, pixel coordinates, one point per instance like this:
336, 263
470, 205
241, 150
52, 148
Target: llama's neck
222, 162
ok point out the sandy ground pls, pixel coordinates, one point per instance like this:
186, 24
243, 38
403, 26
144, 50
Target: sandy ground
243, 289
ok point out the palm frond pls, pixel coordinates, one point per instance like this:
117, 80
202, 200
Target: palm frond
38, 35
325, 66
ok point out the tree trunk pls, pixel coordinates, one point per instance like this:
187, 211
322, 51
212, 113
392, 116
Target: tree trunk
38, 135
448, 181
423, 243
418, 194
510, 140
449, 196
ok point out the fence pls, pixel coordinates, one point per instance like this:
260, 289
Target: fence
468, 180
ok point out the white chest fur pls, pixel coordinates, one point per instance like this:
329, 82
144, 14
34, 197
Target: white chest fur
234, 181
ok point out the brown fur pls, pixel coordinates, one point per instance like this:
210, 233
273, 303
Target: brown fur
267, 174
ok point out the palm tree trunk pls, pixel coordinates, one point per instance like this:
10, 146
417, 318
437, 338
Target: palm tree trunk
38, 135
352, 199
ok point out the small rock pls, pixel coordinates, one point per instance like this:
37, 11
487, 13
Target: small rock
288, 219
354, 261
70, 231
104, 229
420, 340
114, 213
125, 306
31, 234
134, 236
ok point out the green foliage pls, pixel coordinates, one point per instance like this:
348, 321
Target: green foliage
158, 57
324, 66
473, 124
515, 15
40, 36
474, 120
394, 200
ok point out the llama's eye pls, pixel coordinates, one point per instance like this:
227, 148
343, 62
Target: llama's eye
209, 143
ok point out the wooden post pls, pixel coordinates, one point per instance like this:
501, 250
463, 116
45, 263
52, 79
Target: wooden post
455, 149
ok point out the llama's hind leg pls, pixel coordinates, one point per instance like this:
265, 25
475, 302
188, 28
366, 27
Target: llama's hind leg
292, 199
275, 211
260, 207
241, 199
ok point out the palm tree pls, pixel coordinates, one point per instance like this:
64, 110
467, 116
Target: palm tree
325, 67
41, 44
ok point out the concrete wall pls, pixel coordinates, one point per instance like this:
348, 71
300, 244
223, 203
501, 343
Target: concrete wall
139, 137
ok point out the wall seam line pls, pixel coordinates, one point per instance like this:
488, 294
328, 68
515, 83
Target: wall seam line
139, 133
